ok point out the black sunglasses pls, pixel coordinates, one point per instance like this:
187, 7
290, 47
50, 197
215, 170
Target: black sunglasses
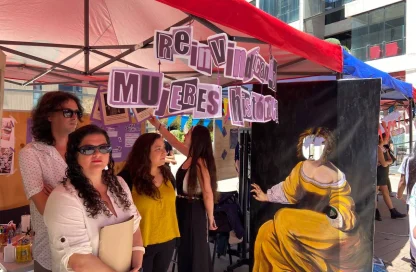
90, 149
68, 113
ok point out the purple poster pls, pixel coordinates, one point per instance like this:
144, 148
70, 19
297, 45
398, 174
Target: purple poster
122, 138
29, 137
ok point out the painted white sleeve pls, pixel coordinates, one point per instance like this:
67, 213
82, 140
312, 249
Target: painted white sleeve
276, 194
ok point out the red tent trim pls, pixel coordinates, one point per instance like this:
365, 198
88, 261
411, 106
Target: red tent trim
254, 22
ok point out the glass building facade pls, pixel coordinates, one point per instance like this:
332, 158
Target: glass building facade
285, 10
379, 33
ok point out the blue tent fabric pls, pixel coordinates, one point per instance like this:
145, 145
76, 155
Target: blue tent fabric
171, 119
206, 122
359, 69
195, 122
184, 119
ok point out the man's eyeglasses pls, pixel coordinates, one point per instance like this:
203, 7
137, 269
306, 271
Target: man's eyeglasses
68, 113
90, 149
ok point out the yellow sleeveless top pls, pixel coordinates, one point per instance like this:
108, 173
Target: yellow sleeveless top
159, 223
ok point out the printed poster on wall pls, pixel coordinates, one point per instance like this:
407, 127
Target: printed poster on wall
29, 137
122, 138
142, 114
233, 138
7, 146
108, 115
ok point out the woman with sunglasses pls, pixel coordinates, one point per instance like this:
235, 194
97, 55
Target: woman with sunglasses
196, 183
152, 187
89, 198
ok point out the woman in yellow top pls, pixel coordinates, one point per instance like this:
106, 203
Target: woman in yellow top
323, 232
152, 186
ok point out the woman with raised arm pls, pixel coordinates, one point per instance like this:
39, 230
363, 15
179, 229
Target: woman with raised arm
90, 198
196, 182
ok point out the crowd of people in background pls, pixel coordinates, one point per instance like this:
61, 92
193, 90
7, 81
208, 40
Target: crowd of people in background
407, 171
385, 159
69, 178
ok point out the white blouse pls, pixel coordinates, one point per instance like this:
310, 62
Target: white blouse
72, 231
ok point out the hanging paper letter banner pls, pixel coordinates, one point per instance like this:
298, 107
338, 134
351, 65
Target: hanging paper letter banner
252, 107
143, 89
178, 43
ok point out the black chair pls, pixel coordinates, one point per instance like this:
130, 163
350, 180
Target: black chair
224, 227
227, 200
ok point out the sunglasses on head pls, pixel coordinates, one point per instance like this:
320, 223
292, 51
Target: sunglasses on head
68, 113
90, 149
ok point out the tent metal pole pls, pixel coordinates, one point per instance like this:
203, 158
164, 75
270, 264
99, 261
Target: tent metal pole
145, 43
411, 126
86, 37
12, 82
113, 59
57, 45
39, 59
123, 61
127, 46
246, 39
52, 74
52, 68
131, 49
65, 83
305, 73
54, 83
290, 63
209, 25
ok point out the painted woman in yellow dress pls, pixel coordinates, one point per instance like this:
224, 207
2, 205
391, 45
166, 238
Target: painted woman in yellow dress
322, 233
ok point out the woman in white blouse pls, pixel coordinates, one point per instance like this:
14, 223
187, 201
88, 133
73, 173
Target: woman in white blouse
90, 198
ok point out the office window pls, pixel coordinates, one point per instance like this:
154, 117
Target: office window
285, 10
76, 90
330, 4
379, 33
37, 94
335, 16
313, 8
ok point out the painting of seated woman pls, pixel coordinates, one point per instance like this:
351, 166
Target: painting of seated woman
322, 232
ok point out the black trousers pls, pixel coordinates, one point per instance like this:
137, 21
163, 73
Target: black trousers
193, 252
158, 257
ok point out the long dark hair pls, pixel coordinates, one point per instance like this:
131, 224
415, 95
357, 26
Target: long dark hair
201, 148
318, 132
41, 128
138, 165
86, 191
411, 169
